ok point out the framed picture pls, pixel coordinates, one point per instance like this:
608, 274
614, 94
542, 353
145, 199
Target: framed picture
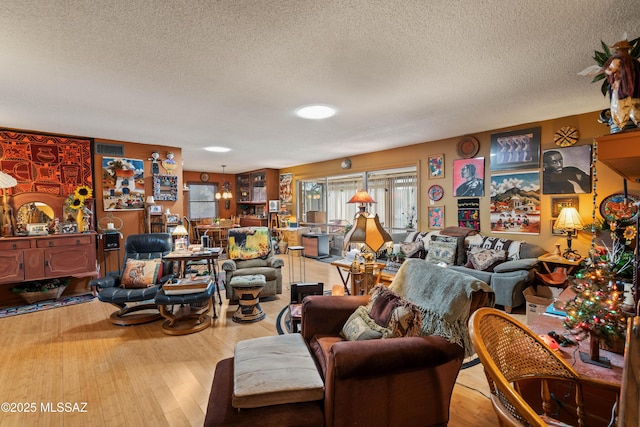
468, 177
155, 209
38, 229
566, 170
436, 166
122, 184
515, 203
518, 149
435, 215
69, 227
557, 203
172, 219
555, 231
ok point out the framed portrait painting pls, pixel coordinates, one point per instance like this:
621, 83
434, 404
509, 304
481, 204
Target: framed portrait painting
567, 170
518, 149
436, 166
435, 216
468, 177
515, 203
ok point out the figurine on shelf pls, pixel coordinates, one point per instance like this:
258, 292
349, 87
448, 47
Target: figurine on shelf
169, 163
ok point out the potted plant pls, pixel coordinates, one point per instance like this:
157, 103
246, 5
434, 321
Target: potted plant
41, 290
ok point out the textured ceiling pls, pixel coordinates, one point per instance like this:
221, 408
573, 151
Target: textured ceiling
231, 72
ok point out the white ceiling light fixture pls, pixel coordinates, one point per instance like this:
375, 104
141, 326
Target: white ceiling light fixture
316, 112
218, 149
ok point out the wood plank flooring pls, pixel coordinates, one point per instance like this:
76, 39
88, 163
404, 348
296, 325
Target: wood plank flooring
138, 376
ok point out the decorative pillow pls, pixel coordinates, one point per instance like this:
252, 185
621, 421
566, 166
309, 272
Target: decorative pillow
140, 273
442, 252
461, 255
391, 311
486, 259
510, 247
413, 250
360, 326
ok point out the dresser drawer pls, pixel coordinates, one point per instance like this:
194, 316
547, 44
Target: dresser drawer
73, 240
14, 244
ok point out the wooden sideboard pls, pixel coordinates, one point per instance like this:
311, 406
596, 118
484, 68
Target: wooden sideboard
47, 257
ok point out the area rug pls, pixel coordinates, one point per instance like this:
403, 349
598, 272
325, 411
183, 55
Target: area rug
283, 326
45, 305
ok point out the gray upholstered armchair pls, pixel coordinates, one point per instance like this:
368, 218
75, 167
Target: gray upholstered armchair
134, 290
242, 262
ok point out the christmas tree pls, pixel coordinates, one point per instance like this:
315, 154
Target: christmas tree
595, 311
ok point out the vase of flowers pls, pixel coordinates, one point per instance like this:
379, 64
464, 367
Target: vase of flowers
78, 211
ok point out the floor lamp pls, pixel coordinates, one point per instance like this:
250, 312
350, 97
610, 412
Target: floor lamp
6, 182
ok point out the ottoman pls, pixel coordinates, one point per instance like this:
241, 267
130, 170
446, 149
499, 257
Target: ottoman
186, 313
248, 288
271, 381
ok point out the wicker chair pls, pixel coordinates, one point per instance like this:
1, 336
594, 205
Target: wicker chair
516, 360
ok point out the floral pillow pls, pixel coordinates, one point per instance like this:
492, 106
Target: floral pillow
360, 326
140, 273
413, 249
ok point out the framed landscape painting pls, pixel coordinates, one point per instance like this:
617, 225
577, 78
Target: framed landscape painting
518, 149
515, 203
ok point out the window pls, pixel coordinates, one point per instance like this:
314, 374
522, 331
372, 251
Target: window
202, 203
395, 192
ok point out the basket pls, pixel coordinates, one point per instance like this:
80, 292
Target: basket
32, 297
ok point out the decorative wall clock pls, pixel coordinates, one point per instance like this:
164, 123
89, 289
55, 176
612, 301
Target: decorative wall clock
436, 192
204, 177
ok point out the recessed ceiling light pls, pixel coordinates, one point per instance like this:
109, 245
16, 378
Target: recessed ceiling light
315, 112
218, 149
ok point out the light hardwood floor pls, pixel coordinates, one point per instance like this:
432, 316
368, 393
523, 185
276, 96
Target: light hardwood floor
138, 376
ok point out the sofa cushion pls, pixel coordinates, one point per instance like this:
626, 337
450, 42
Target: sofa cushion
140, 273
360, 326
511, 247
440, 251
292, 375
485, 259
391, 311
413, 249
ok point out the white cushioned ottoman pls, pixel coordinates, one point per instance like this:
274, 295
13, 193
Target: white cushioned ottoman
274, 370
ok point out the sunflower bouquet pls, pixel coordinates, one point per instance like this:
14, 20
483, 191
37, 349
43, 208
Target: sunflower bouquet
76, 203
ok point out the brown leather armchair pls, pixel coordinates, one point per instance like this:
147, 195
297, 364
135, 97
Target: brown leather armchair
401, 381
405, 381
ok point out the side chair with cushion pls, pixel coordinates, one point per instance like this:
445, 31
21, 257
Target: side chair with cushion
250, 252
143, 273
526, 377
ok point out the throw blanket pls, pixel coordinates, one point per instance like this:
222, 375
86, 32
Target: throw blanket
443, 296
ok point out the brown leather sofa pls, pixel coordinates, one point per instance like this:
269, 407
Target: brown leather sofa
404, 381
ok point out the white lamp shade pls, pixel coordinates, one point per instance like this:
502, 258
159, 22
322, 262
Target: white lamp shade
7, 181
569, 219
180, 230
150, 200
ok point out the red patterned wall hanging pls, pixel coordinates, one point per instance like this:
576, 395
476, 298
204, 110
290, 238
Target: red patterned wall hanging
42, 163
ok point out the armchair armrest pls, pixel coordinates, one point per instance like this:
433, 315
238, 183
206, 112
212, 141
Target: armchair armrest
165, 279
105, 282
365, 358
325, 315
275, 262
516, 265
229, 265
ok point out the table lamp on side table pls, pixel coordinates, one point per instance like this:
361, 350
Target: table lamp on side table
180, 234
570, 222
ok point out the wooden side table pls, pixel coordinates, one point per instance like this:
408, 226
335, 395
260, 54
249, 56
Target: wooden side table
551, 260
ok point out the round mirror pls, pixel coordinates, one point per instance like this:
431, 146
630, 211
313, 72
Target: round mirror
35, 213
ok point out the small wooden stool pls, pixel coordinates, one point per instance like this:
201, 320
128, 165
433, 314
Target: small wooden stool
248, 288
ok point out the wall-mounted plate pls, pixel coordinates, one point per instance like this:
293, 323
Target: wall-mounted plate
468, 147
436, 192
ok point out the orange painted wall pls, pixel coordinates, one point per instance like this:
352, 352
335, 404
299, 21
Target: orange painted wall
416, 155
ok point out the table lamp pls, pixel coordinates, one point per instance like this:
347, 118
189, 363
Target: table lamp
6, 182
570, 222
366, 228
180, 233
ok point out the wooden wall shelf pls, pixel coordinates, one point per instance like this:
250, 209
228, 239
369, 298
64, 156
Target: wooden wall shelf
621, 152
